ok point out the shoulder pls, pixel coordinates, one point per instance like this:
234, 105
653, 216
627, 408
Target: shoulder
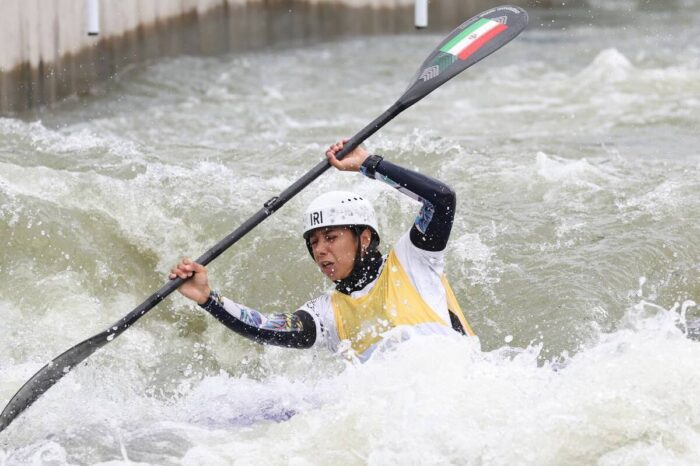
412, 257
317, 306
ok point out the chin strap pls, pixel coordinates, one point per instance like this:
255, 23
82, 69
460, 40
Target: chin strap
365, 270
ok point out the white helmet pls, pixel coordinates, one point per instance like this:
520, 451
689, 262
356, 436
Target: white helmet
339, 208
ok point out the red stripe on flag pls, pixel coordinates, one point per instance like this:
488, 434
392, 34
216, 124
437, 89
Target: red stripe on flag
476, 45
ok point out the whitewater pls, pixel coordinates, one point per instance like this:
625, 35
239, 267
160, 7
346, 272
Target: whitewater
574, 155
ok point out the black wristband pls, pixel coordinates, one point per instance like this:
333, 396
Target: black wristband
369, 166
214, 298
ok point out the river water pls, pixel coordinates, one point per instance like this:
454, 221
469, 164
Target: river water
574, 154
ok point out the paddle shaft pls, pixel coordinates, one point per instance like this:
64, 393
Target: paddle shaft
270, 207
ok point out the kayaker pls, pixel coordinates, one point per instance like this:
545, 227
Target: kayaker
373, 294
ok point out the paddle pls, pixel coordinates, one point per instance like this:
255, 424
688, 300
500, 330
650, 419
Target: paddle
473, 40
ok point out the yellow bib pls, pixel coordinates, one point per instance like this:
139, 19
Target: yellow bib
392, 302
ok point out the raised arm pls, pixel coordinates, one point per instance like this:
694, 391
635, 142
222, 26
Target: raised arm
432, 227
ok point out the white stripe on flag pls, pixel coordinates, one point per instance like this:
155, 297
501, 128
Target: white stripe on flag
467, 40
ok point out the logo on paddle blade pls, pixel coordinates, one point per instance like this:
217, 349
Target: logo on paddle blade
501, 19
429, 73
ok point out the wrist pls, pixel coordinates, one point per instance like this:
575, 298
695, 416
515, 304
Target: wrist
209, 293
370, 164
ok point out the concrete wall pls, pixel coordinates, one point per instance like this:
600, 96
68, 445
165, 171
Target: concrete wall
46, 54
43, 30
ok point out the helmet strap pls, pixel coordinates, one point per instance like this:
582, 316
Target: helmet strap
366, 267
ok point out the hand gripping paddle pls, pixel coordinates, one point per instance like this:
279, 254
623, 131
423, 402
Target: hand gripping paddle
472, 41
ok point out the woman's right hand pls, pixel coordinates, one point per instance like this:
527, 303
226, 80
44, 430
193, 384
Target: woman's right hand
351, 162
196, 285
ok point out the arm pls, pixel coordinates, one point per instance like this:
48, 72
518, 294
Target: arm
296, 330
433, 225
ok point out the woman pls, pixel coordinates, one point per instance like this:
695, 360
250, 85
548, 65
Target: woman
404, 290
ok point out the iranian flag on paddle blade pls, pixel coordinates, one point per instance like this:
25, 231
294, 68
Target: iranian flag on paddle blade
472, 38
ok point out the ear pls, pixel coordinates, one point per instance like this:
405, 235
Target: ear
365, 239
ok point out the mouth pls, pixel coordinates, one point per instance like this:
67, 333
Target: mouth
327, 267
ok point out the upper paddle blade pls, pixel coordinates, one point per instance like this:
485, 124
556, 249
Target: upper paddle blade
473, 40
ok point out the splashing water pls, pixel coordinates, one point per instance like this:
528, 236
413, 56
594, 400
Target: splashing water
574, 254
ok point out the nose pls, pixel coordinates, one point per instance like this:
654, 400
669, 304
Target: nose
320, 248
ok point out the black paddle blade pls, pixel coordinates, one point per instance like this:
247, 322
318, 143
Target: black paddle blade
472, 41
49, 375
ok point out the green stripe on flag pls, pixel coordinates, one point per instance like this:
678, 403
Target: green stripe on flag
463, 34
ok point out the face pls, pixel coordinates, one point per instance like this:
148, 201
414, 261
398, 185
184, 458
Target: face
334, 249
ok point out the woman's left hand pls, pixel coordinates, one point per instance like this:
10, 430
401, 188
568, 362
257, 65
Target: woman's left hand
350, 162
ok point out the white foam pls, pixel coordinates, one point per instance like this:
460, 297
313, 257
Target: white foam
458, 404
608, 66
660, 201
476, 260
554, 169
68, 140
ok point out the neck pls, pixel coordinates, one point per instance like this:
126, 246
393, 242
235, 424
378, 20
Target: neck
365, 270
